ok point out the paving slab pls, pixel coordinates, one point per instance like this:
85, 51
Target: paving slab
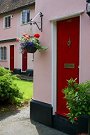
19, 123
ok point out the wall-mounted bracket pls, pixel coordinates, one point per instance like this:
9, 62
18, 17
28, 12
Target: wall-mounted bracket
38, 24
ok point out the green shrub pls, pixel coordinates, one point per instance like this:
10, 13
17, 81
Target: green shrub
9, 92
78, 99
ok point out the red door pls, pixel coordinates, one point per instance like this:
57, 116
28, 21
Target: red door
12, 57
24, 61
67, 58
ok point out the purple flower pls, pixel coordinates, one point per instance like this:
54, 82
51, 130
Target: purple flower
22, 44
30, 43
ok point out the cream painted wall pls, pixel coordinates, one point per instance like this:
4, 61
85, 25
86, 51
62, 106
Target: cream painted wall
44, 76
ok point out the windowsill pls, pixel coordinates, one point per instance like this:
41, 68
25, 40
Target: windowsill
3, 60
25, 23
5, 28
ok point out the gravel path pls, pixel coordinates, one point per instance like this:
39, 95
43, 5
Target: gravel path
19, 123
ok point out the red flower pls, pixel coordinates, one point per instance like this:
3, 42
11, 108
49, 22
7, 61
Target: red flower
75, 119
36, 35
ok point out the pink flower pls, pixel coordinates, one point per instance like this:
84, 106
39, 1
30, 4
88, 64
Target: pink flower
26, 36
17, 39
36, 35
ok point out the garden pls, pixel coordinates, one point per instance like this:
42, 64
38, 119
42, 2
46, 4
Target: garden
14, 92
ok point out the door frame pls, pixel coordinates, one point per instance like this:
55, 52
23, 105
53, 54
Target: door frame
54, 56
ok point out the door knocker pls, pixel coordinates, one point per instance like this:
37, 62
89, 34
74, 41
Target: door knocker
69, 42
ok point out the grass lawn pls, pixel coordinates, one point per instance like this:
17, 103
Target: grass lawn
26, 87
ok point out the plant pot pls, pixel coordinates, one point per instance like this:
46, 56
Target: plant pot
31, 49
82, 124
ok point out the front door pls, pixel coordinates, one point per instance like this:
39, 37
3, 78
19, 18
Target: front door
11, 57
24, 61
67, 58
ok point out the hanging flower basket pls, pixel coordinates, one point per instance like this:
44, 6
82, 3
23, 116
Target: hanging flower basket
31, 49
30, 44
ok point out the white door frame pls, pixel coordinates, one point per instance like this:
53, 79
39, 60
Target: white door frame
54, 55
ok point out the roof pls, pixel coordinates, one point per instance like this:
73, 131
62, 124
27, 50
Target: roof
10, 5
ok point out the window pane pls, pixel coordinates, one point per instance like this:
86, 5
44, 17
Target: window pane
25, 16
28, 15
7, 21
5, 53
0, 53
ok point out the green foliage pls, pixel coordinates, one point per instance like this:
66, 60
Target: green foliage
9, 92
26, 40
78, 99
26, 87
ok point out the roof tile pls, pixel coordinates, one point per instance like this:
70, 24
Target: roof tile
10, 5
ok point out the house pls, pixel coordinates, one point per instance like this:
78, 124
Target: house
15, 16
66, 30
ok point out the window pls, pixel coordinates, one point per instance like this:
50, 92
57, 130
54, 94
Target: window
25, 16
7, 21
3, 53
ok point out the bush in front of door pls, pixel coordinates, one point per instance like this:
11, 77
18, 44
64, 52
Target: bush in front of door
9, 92
78, 99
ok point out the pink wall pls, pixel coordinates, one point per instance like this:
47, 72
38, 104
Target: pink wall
85, 48
17, 57
16, 30
53, 11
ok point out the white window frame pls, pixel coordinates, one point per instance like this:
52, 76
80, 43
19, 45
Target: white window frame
6, 24
24, 16
3, 53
